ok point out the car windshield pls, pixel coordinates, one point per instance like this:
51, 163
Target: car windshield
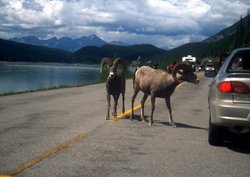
240, 62
210, 65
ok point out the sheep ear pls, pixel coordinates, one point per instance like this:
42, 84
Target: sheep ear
104, 62
134, 63
184, 66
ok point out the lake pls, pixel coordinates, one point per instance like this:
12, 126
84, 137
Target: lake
15, 78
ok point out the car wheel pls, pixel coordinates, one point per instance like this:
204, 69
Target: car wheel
215, 135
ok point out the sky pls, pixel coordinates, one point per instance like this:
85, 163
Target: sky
163, 23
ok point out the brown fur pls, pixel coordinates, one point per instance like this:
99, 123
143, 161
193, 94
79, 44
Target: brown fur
158, 83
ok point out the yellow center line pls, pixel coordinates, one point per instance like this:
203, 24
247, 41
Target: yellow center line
61, 147
45, 155
55, 150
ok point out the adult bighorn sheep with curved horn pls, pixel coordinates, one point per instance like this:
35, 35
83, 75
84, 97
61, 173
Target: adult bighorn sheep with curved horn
158, 83
115, 84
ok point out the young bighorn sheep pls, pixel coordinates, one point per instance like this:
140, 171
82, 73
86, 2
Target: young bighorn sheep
158, 83
115, 84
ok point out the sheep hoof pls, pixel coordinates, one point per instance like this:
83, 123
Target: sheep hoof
173, 125
143, 119
150, 123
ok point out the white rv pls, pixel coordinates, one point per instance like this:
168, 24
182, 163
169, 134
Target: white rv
191, 59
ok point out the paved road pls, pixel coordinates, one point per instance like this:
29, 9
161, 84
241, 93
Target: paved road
64, 133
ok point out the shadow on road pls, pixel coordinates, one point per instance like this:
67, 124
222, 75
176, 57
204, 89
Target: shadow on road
234, 142
238, 142
243, 147
178, 125
136, 117
181, 125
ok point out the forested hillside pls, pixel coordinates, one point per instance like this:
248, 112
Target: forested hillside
19, 52
129, 53
235, 36
14, 51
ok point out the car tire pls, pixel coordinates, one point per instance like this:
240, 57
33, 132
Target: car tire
215, 134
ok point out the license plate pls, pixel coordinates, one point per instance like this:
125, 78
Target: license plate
241, 98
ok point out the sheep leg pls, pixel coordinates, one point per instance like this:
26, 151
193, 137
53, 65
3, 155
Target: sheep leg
145, 96
152, 110
108, 100
132, 103
123, 105
171, 121
116, 97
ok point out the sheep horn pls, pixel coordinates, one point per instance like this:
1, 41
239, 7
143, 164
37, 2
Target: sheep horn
185, 66
188, 64
136, 63
138, 60
119, 61
104, 62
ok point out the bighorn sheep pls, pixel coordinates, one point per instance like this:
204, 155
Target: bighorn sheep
115, 83
158, 83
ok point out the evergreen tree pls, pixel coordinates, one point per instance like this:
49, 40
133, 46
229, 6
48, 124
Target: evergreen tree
246, 40
239, 42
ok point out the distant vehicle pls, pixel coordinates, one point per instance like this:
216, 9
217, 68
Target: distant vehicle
229, 97
200, 68
170, 67
209, 67
191, 59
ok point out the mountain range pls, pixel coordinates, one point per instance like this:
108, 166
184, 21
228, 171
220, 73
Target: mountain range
19, 52
66, 43
237, 35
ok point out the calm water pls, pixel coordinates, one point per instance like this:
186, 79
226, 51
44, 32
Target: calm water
16, 78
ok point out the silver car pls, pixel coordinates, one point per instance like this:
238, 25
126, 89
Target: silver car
229, 97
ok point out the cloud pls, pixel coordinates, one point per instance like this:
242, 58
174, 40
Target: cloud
165, 23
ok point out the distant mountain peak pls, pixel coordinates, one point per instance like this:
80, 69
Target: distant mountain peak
119, 43
93, 36
64, 43
53, 38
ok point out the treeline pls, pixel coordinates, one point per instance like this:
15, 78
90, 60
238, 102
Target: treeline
19, 52
242, 35
129, 53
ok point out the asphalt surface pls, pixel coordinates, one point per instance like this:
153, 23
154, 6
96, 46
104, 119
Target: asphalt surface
63, 132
